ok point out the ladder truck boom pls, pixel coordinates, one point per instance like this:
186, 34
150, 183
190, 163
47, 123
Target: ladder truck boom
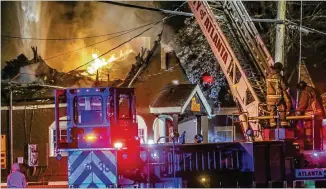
247, 33
241, 84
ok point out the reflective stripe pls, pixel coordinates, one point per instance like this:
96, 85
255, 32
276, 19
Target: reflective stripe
274, 96
319, 110
92, 168
284, 123
308, 132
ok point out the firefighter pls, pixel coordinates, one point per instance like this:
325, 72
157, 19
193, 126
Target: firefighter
277, 97
310, 103
16, 179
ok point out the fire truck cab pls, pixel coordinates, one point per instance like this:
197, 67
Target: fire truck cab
98, 118
101, 131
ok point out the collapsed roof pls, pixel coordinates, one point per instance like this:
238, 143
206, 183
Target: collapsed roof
33, 79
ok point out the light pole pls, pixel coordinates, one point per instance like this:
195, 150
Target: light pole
280, 33
11, 131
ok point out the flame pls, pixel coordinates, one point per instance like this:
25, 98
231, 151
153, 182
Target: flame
98, 63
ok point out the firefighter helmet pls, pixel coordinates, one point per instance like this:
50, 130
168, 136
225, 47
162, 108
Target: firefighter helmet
277, 66
301, 85
198, 138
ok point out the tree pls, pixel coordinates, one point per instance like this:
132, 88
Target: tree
197, 59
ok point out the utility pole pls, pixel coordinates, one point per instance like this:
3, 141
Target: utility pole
11, 132
280, 33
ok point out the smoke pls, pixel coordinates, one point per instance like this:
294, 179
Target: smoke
73, 19
168, 47
25, 18
28, 74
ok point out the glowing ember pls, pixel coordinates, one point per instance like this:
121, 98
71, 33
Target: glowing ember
98, 63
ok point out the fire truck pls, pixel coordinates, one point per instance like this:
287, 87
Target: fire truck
104, 149
101, 132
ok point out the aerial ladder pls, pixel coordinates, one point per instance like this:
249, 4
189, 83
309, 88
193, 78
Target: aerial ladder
245, 62
246, 77
244, 59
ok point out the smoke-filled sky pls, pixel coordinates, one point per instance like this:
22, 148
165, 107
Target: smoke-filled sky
70, 19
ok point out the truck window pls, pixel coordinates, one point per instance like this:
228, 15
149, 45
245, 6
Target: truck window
124, 107
88, 110
109, 108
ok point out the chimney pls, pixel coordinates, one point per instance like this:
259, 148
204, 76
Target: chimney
96, 76
96, 83
163, 58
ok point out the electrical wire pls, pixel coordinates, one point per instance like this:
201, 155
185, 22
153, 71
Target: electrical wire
288, 22
300, 53
180, 6
190, 14
119, 45
150, 9
305, 27
97, 42
132, 6
74, 38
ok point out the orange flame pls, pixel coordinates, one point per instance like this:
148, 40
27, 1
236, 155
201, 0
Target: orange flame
98, 63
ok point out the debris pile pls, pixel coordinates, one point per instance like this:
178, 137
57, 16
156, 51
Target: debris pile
141, 62
196, 58
35, 80
36, 71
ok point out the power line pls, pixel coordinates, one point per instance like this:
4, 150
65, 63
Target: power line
132, 6
300, 54
72, 38
150, 9
175, 12
131, 30
85, 47
119, 45
305, 27
289, 22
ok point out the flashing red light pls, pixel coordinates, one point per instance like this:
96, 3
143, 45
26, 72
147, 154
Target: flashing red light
208, 79
118, 145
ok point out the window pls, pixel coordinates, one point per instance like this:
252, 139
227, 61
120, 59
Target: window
88, 110
222, 134
142, 129
109, 108
169, 130
141, 135
124, 107
63, 137
52, 136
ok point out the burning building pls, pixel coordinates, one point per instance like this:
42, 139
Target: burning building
145, 65
33, 108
